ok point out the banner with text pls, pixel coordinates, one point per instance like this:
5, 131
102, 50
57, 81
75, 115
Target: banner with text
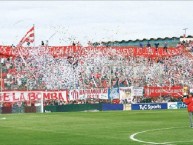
174, 91
64, 51
88, 93
17, 96
148, 106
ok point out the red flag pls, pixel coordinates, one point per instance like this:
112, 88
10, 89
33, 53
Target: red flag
29, 37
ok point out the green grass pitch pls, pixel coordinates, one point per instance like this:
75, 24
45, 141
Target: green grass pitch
97, 128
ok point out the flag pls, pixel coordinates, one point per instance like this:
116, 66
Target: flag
28, 38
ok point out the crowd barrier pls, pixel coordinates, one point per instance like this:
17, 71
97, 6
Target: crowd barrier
93, 107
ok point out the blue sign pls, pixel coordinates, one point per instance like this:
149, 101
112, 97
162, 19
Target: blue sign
106, 107
148, 106
181, 105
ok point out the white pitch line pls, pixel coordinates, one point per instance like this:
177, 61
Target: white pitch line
2, 118
132, 137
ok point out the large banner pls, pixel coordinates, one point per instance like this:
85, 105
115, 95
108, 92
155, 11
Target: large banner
88, 93
17, 96
64, 51
175, 91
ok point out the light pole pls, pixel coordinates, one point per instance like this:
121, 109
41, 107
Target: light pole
185, 31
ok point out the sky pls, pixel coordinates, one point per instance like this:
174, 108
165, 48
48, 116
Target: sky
62, 22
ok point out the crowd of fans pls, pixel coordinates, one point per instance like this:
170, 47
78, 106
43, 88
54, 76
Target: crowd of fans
96, 71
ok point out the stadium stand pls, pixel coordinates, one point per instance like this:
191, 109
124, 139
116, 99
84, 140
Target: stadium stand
103, 71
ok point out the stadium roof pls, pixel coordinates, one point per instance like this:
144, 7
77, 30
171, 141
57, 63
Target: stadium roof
189, 36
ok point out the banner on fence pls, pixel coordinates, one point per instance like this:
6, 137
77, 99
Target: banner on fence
113, 93
88, 93
137, 91
175, 91
15, 96
126, 94
63, 51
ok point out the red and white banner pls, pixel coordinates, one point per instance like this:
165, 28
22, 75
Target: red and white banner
88, 93
15, 96
73, 95
65, 51
175, 91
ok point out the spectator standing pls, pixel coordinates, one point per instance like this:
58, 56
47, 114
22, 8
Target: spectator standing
148, 44
141, 45
149, 47
188, 100
156, 46
42, 43
166, 47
